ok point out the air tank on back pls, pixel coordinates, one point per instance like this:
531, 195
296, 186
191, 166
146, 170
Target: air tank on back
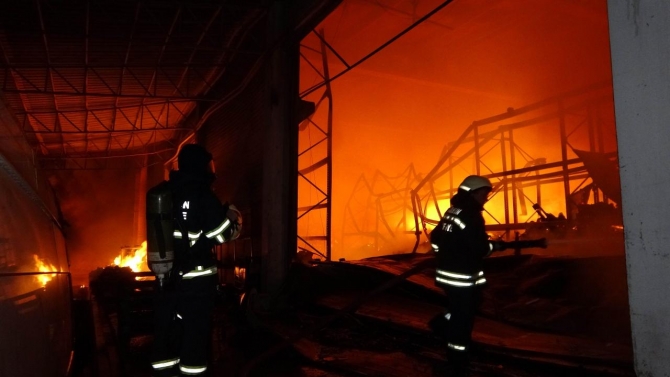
160, 229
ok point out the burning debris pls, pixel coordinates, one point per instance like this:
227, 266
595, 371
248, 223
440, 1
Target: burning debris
133, 257
123, 290
128, 267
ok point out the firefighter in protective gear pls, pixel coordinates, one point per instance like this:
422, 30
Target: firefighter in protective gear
182, 310
461, 243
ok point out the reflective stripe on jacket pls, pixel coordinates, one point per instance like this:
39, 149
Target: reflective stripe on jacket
461, 243
200, 271
459, 280
201, 223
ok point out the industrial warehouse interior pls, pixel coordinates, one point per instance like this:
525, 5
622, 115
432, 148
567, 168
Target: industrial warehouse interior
340, 130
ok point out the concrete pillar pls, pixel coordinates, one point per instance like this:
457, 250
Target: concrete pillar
640, 47
280, 153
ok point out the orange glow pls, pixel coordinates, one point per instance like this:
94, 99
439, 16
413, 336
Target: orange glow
44, 266
406, 105
135, 259
241, 273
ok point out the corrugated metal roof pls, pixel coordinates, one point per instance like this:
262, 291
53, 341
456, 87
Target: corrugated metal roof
98, 79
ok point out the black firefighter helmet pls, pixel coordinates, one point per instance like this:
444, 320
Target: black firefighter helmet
194, 159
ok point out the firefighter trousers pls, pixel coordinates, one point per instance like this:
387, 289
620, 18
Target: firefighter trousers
182, 322
463, 303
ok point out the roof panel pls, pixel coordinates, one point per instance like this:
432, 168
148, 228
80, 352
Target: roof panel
107, 78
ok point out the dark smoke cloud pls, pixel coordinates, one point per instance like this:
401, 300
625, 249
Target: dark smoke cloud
98, 208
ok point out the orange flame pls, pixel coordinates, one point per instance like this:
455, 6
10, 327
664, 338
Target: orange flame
44, 266
136, 259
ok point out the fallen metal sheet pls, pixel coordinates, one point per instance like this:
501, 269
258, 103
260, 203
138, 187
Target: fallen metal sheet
413, 304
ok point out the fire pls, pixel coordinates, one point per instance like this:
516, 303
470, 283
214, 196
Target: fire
43, 266
136, 259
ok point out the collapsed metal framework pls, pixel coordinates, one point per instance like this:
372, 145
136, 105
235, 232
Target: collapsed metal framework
577, 119
319, 242
559, 125
378, 212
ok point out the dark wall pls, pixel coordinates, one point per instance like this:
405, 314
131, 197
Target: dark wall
234, 137
253, 137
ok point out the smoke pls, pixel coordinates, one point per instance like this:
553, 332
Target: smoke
97, 206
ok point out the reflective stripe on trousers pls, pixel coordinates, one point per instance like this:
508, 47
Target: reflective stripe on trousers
189, 340
164, 364
457, 347
192, 370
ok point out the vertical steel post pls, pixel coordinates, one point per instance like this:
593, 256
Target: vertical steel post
512, 158
564, 159
592, 144
329, 157
475, 132
505, 183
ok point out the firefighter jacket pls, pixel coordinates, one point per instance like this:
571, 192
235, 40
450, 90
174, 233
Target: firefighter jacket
461, 243
201, 222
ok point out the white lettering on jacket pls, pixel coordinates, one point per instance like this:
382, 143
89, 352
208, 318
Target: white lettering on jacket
185, 205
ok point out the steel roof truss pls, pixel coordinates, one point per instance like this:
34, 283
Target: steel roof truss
154, 78
195, 49
53, 70
311, 64
131, 122
36, 119
123, 70
73, 124
139, 116
177, 109
151, 114
86, 48
108, 128
174, 85
102, 80
23, 80
50, 71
